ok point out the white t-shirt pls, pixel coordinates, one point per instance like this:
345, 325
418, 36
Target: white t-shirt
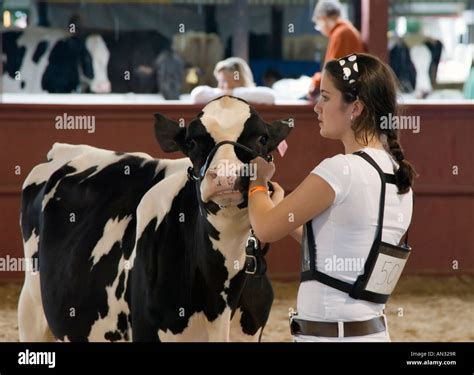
259, 95
344, 233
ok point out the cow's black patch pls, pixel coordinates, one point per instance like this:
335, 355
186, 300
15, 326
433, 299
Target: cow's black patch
31, 199
13, 52
40, 50
122, 325
134, 52
62, 73
121, 286
113, 336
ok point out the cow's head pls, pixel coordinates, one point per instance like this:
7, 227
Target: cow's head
94, 61
225, 182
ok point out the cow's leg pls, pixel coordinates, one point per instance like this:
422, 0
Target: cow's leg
237, 333
219, 329
253, 309
32, 324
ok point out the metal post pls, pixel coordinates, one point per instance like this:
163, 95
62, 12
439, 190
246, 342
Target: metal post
240, 43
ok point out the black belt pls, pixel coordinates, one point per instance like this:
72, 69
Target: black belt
331, 329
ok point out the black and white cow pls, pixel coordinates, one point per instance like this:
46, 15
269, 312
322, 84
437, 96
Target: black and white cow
37, 60
130, 247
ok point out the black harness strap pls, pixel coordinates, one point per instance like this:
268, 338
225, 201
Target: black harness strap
314, 274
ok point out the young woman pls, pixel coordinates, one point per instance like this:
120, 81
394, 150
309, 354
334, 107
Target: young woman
341, 199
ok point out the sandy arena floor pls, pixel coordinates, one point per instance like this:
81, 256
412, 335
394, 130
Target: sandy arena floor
434, 309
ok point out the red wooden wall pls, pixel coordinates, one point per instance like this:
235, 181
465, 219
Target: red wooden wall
442, 228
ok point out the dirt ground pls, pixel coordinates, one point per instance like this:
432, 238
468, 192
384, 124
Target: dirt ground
421, 309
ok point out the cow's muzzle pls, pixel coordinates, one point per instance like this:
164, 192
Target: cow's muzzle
202, 172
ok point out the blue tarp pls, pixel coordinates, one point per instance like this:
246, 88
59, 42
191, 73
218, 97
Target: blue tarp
288, 69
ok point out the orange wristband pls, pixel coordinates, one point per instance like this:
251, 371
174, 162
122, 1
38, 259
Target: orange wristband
257, 188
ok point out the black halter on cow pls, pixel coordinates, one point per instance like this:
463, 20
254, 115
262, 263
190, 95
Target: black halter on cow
130, 247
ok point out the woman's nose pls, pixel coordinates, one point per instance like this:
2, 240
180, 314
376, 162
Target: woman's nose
317, 108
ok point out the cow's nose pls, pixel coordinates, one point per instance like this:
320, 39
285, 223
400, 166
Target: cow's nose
212, 174
103, 87
220, 177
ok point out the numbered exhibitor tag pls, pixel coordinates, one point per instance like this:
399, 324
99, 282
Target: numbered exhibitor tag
387, 270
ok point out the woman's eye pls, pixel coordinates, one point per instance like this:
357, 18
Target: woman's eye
263, 140
190, 144
325, 98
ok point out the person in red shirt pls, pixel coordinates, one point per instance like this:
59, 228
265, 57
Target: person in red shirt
344, 38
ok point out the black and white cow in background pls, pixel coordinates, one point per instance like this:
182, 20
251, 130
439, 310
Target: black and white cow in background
37, 60
142, 61
130, 248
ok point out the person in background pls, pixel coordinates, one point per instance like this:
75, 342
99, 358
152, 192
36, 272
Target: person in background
235, 78
344, 38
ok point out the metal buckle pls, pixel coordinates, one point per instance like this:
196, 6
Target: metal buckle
254, 260
255, 241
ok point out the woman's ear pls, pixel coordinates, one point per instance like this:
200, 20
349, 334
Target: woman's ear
357, 108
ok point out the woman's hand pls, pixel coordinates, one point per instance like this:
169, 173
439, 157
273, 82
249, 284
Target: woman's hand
278, 193
264, 170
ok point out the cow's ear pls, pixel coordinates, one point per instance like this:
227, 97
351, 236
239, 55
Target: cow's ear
169, 133
277, 132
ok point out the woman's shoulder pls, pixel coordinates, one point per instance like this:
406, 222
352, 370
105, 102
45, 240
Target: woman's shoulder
336, 171
336, 161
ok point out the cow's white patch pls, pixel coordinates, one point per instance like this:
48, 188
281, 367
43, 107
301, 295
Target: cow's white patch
99, 159
114, 231
199, 329
116, 306
100, 58
233, 226
47, 197
224, 119
60, 154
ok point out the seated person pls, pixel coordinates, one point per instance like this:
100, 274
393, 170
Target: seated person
234, 77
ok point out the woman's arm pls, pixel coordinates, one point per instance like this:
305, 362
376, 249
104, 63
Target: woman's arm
271, 223
260, 95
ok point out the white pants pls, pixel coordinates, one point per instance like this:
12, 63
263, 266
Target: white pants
383, 336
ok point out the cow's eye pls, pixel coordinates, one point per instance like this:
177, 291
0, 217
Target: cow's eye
263, 140
191, 144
